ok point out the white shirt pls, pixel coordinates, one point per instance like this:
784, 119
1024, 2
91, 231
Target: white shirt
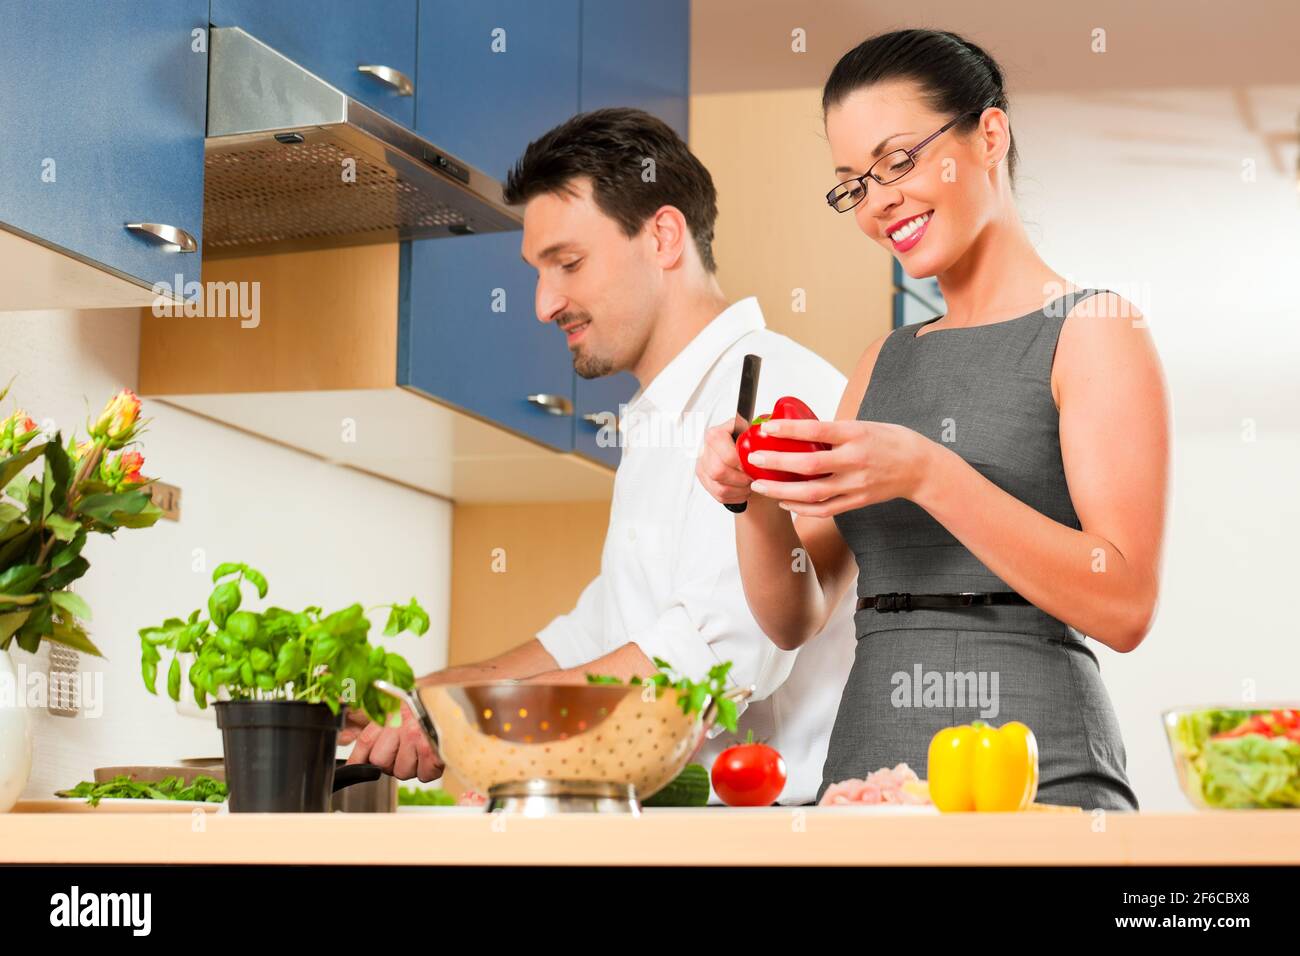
669, 578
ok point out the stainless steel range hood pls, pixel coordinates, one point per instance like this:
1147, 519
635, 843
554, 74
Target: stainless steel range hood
277, 175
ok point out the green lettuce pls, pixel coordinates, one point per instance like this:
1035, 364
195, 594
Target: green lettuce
1234, 772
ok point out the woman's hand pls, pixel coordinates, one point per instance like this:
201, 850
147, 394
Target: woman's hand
718, 465
868, 462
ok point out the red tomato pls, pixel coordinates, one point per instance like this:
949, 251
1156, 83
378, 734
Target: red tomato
749, 775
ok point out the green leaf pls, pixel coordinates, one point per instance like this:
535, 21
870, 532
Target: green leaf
260, 659
105, 507
58, 473
174, 678
62, 556
258, 580
149, 671
10, 623
224, 569
70, 635
290, 662
727, 716
74, 604
145, 518
8, 514
164, 635
223, 602
407, 617
19, 578
16, 545
11, 466
70, 572
190, 635
200, 696
243, 626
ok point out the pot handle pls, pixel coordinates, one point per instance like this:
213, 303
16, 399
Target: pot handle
345, 775
412, 701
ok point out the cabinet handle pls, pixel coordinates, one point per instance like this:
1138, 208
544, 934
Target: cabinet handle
600, 419
398, 80
555, 404
179, 238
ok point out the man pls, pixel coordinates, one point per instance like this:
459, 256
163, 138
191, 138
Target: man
618, 222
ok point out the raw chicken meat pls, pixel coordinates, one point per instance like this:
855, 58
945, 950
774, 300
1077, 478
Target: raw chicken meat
899, 785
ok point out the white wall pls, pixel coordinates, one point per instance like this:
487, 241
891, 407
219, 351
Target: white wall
322, 535
1142, 192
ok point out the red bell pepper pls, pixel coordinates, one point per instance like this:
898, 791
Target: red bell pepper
751, 440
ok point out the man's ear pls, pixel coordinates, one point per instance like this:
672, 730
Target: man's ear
670, 233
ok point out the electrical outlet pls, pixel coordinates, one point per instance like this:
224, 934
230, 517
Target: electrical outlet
65, 682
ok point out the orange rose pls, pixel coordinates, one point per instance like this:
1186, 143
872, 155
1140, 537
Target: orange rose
118, 419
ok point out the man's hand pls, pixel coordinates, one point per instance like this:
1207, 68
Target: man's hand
404, 751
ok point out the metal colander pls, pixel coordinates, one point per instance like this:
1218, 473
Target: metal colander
560, 739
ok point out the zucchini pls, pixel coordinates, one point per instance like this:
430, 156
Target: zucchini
690, 788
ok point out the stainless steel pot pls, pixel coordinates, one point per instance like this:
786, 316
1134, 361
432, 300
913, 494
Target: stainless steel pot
363, 788
358, 788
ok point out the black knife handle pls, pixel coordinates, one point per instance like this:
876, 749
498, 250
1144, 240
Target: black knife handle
737, 507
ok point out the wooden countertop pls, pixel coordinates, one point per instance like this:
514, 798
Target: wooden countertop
795, 836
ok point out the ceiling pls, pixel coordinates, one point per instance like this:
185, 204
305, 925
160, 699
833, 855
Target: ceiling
1041, 46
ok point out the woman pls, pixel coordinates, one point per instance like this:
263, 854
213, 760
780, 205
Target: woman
1015, 447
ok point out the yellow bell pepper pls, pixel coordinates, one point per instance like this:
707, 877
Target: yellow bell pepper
979, 767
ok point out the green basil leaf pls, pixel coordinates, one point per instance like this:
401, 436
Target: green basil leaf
223, 602
243, 626
224, 569
149, 670
259, 582
174, 679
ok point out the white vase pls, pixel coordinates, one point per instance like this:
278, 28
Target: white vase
15, 736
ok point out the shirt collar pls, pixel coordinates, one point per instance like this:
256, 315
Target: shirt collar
672, 388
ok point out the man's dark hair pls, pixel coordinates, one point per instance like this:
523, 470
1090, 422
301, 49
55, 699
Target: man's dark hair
612, 147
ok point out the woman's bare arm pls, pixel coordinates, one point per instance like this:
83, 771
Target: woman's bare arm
796, 572
1114, 431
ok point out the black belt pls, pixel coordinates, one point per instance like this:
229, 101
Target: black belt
894, 601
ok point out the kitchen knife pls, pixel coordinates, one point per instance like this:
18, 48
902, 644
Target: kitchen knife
745, 406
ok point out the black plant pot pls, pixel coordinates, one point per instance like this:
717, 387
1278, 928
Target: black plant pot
279, 756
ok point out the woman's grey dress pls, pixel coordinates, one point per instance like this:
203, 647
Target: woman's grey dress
986, 391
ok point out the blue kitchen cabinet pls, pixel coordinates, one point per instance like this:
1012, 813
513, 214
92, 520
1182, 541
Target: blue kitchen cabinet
926, 288
633, 54
102, 112
638, 54
365, 49
505, 72
597, 406
499, 73
908, 309
469, 336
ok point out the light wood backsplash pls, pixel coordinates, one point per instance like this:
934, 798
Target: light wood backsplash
550, 552
327, 320
775, 234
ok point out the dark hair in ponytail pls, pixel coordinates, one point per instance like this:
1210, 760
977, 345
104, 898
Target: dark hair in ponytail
956, 76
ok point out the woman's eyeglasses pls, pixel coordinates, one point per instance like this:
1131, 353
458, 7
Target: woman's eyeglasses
889, 168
